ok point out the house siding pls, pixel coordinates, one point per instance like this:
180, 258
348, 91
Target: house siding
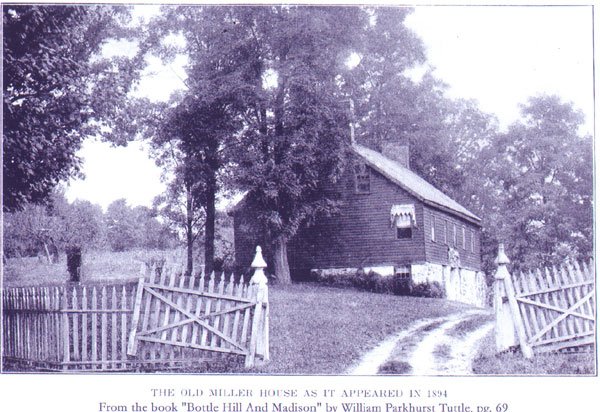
437, 251
361, 234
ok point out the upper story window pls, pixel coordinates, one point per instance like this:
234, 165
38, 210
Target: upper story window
362, 178
433, 223
464, 238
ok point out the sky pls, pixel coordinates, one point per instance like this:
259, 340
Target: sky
497, 55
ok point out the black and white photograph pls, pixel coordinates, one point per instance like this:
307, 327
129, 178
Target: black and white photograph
260, 190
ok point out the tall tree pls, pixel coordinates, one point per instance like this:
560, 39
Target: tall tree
58, 89
199, 124
539, 180
295, 122
386, 99
180, 207
398, 100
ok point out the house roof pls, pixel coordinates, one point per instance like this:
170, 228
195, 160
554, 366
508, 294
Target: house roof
412, 183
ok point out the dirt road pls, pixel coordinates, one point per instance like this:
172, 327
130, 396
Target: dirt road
440, 346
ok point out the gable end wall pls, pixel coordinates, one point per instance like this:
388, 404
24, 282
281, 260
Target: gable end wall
361, 235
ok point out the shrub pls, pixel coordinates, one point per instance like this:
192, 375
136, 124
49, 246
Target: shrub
374, 282
428, 290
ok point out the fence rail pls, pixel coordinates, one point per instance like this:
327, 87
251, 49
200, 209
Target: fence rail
550, 309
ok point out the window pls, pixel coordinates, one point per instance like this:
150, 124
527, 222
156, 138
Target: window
403, 219
362, 179
403, 272
472, 241
445, 230
464, 238
454, 234
433, 229
404, 233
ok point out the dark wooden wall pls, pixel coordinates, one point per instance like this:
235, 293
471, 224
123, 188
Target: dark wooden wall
436, 251
361, 234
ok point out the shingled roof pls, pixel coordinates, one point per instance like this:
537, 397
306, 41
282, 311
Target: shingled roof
413, 183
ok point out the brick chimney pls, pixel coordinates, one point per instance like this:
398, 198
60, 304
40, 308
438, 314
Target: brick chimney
398, 152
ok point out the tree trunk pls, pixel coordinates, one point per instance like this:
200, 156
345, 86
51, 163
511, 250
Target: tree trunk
209, 232
188, 231
282, 267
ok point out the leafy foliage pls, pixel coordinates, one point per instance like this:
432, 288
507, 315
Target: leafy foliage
536, 186
129, 228
60, 225
372, 281
196, 127
294, 115
58, 89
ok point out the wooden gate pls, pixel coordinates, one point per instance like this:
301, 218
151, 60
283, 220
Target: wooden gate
546, 310
180, 318
557, 306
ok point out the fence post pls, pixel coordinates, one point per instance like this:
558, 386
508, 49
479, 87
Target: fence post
509, 323
259, 337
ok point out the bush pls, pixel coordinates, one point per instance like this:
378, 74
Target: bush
374, 282
428, 290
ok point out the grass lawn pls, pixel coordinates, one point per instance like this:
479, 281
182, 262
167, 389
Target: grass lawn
513, 362
323, 330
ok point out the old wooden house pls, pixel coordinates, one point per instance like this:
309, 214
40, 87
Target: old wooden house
391, 221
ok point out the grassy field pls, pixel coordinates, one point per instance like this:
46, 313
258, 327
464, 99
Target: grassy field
513, 362
98, 266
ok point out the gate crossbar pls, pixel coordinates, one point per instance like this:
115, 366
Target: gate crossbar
192, 318
570, 311
557, 308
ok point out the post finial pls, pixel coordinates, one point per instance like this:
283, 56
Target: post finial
502, 259
258, 264
259, 261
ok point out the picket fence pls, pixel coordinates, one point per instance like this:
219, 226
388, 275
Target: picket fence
550, 309
167, 320
67, 327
